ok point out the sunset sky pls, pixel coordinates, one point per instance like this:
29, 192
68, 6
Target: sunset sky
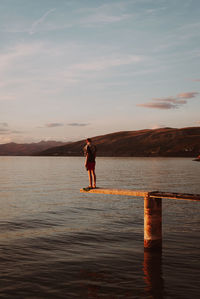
71, 69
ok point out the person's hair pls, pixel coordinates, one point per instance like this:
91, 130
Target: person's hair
88, 139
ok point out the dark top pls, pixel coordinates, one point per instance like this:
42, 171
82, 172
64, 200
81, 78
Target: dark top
90, 151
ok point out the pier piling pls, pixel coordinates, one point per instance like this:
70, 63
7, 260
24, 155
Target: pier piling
152, 211
152, 223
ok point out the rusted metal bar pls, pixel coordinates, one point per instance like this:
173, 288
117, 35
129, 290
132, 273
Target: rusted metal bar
172, 195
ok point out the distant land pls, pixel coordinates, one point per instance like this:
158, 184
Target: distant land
26, 149
164, 142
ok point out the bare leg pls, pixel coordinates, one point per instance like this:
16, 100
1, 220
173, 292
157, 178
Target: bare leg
94, 178
90, 178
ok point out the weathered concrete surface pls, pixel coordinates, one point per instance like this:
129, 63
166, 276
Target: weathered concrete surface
152, 223
140, 193
116, 192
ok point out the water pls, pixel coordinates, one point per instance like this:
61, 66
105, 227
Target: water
56, 242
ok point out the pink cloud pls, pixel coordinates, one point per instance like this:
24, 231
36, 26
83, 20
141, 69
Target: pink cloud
188, 95
160, 105
170, 102
53, 125
78, 124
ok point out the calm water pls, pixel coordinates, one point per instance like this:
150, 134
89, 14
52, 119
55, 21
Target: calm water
58, 243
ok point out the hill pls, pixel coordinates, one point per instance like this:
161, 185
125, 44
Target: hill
165, 142
26, 149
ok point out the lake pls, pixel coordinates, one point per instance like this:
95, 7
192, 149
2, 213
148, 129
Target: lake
56, 242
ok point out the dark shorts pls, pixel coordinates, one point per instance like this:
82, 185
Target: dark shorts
91, 166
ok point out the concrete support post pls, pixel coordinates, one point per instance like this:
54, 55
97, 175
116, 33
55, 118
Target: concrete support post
152, 223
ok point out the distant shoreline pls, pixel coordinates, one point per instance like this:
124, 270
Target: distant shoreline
74, 156
163, 142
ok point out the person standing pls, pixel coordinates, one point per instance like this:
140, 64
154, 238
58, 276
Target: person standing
90, 154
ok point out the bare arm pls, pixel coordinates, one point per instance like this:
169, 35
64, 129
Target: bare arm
86, 160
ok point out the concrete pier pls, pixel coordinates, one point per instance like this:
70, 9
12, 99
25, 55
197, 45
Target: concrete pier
152, 211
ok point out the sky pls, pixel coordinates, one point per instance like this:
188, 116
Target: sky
71, 69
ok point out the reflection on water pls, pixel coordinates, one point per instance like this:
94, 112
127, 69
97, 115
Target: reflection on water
58, 243
153, 274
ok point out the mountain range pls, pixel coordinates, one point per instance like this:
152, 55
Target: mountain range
164, 142
26, 149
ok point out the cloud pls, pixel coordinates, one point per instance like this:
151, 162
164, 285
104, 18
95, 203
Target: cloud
19, 52
196, 80
4, 124
188, 95
158, 105
100, 18
6, 97
106, 13
54, 125
4, 131
197, 122
30, 64
170, 102
4, 128
77, 72
153, 11
101, 15
36, 26
40, 21
106, 62
78, 124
